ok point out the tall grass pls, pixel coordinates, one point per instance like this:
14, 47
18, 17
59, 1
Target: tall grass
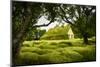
61, 51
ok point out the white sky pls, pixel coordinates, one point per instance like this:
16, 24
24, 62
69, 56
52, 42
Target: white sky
42, 20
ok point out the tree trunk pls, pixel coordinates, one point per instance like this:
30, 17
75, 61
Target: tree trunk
16, 45
15, 50
85, 38
17, 41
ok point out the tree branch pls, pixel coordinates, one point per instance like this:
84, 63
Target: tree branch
67, 21
44, 24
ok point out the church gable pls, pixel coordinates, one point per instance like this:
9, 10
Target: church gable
70, 34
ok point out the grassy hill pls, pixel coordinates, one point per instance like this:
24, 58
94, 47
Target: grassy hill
55, 51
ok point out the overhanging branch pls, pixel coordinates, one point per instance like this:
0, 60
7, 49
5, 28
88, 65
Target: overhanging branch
64, 17
43, 25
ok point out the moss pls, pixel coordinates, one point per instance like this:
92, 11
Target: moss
27, 43
47, 46
29, 49
53, 57
56, 52
53, 43
71, 55
89, 54
27, 58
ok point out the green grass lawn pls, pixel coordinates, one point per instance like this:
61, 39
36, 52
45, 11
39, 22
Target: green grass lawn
55, 51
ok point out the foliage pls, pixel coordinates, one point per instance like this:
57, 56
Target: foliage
24, 16
81, 17
35, 34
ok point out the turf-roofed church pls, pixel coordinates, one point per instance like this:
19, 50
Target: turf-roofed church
59, 32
